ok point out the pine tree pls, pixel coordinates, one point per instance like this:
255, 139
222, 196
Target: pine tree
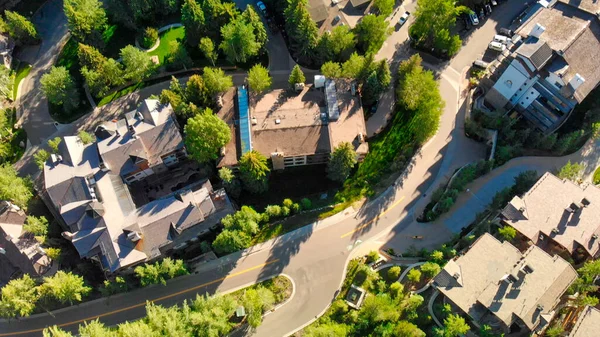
19, 28
297, 76
193, 19
254, 172
341, 163
301, 28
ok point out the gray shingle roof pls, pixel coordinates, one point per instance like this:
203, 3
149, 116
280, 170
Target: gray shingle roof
588, 323
535, 50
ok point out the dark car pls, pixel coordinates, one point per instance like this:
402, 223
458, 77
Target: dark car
506, 32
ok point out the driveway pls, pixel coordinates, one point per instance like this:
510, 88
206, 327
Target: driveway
32, 104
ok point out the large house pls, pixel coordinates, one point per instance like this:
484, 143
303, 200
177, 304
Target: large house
554, 69
20, 252
495, 284
558, 213
85, 186
294, 129
587, 324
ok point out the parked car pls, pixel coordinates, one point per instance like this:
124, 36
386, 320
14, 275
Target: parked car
261, 6
480, 64
494, 3
488, 9
505, 32
497, 46
473, 18
403, 18
501, 38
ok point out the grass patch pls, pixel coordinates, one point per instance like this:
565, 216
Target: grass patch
116, 38
173, 34
120, 93
597, 176
281, 287
335, 210
22, 71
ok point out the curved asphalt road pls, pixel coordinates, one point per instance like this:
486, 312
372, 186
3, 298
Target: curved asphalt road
313, 256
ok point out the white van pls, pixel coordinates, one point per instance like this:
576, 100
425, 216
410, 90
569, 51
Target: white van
497, 46
501, 38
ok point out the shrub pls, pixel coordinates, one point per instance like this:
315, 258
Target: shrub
430, 269
396, 289
53, 253
507, 233
285, 211
150, 37
273, 211
287, 203
295, 207
394, 273
414, 275
373, 256
597, 176
306, 204
437, 255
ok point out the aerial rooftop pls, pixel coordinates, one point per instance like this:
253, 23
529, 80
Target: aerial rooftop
494, 281
559, 209
588, 323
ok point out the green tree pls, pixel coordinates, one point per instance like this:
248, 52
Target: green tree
138, 65
229, 241
254, 172
407, 329
507, 233
6, 83
86, 19
430, 269
385, 7
150, 37
54, 143
85, 137
193, 19
585, 300
96, 328
65, 287
437, 255
327, 329
554, 331
207, 47
205, 135
341, 163
211, 315
354, 66
418, 92
100, 73
396, 289
178, 57
12, 187
433, 22
118, 285
253, 19
371, 32
41, 157
571, 171
454, 325
216, 81
37, 226
169, 321
379, 308
259, 79
414, 275
160, 272
296, 76
196, 91
230, 182
331, 70
60, 89
136, 329
245, 220
256, 302
55, 331
301, 28
20, 28
394, 273
239, 42
19, 296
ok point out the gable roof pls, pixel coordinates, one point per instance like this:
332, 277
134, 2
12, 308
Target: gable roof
496, 276
545, 210
535, 50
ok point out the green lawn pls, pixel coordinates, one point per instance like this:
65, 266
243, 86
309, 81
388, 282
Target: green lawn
22, 71
120, 93
597, 176
173, 34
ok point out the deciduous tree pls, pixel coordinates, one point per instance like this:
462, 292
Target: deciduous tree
385, 7
371, 32
14, 188
65, 287
341, 163
205, 135
571, 171
138, 65
193, 19
41, 157
230, 182
85, 137
54, 143
331, 70
259, 79
207, 47
37, 226
414, 275
239, 41
507, 233
86, 20
60, 89
216, 81
19, 296
430, 269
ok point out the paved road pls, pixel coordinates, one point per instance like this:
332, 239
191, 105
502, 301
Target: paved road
32, 104
315, 256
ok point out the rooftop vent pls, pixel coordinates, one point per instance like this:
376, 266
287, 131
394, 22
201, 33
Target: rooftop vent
555, 230
585, 202
278, 121
456, 276
540, 307
254, 121
527, 269
134, 237
508, 278
522, 209
595, 237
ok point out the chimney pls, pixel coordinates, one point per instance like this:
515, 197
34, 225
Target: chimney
576, 81
540, 307
456, 276
555, 230
537, 30
585, 202
67, 235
